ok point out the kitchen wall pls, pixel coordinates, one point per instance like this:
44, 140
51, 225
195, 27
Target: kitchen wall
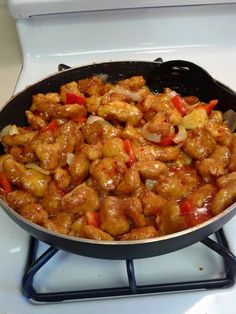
10, 56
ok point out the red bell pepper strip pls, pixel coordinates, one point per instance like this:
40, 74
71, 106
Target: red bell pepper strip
208, 107
179, 104
186, 207
92, 218
79, 119
166, 141
5, 184
194, 218
129, 152
52, 126
73, 98
192, 215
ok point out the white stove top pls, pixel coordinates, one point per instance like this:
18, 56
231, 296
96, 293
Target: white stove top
204, 35
27, 8
198, 33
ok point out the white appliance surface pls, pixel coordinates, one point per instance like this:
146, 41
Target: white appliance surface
201, 34
26, 8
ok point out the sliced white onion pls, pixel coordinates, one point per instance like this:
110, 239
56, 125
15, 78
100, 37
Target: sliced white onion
230, 118
37, 168
181, 135
103, 77
10, 129
92, 119
123, 91
150, 183
153, 137
61, 121
172, 94
69, 158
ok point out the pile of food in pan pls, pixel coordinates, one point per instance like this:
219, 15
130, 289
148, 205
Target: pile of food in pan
117, 162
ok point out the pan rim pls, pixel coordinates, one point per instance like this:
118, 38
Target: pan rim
178, 234
72, 68
164, 238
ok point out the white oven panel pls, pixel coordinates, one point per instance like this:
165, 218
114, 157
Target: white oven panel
27, 8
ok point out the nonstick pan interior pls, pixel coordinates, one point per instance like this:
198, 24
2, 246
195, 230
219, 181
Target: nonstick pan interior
182, 76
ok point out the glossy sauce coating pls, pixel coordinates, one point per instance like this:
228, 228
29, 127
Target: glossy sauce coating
115, 162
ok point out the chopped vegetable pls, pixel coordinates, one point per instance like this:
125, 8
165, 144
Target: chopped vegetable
193, 216
52, 126
181, 136
5, 183
195, 119
103, 77
208, 107
150, 184
92, 119
92, 218
69, 158
166, 141
123, 91
10, 129
37, 168
230, 118
186, 207
157, 138
73, 98
79, 119
129, 151
196, 218
178, 102
153, 137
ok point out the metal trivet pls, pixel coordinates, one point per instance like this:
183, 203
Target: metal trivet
34, 264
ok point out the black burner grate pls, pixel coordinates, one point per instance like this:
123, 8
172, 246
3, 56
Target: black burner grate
34, 264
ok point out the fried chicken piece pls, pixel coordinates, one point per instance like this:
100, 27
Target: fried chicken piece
112, 217
81, 199
224, 198
79, 168
34, 212
94, 233
120, 111
199, 144
19, 199
51, 200
107, 173
143, 233
49, 155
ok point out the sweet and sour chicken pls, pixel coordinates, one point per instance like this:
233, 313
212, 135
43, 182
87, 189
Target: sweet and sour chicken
116, 162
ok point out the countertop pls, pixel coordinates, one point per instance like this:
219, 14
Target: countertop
10, 54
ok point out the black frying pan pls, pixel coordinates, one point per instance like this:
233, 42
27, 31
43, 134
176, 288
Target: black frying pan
182, 76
